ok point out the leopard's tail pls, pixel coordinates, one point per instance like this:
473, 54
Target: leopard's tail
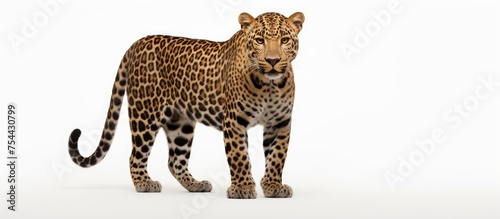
108, 132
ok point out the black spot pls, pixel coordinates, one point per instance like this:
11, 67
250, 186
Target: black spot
116, 115
283, 82
133, 125
171, 152
117, 101
108, 136
282, 124
183, 162
181, 141
211, 110
139, 106
147, 136
255, 81
202, 107
93, 161
179, 151
279, 119
98, 153
267, 152
135, 114
138, 140
105, 146
138, 155
111, 125
145, 149
228, 147
197, 113
154, 127
280, 155
73, 138
172, 127
168, 112
187, 129
130, 100
141, 126
242, 108
85, 162
242, 121
268, 141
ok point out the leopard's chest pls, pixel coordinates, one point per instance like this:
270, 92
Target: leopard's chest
267, 108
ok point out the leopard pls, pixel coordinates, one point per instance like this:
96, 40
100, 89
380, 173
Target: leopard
173, 83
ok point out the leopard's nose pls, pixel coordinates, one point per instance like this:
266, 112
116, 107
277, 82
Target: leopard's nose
272, 61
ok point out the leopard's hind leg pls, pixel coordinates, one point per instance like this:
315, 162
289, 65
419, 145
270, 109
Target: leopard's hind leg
142, 145
144, 132
180, 131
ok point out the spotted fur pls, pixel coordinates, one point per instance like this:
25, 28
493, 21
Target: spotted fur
172, 83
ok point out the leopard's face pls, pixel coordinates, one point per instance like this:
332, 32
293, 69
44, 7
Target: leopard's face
271, 41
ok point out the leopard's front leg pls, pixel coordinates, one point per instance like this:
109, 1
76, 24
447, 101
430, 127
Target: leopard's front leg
236, 144
276, 138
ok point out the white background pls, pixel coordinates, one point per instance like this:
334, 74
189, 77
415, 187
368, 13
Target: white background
353, 121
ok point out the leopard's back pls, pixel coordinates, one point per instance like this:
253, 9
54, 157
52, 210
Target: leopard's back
177, 74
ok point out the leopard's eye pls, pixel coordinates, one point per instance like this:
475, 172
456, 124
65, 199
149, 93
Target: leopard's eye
259, 40
285, 40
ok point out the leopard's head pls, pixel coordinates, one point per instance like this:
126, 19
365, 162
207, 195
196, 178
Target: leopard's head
271, 41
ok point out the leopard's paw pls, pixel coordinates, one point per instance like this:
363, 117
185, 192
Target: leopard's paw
276, 190
242, 192
148, 186
203, 186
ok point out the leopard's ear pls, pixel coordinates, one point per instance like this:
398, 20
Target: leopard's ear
296, 20
246, 20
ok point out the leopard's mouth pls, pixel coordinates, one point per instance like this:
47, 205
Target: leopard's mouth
272, 74
272, 71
